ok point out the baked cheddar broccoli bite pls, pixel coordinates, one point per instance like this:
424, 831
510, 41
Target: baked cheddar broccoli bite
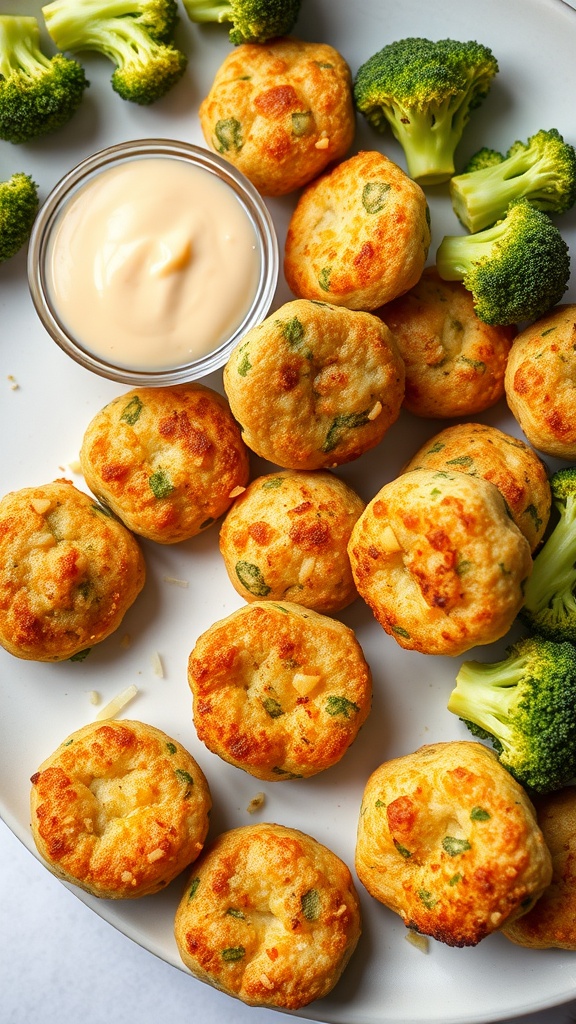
440, 562
119, 809
285, 539
315, 385
69, 572
514, 468
359, 235
279, 690
280, 112
166, 460
551, 923
539, 382
270, 916
449, 841
455, 363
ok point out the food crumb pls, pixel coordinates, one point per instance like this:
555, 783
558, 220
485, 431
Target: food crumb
175, 581
420, 941
74, 466
236, 491
157, 665
256, 803
322, 143
14, 385
111, 709
94, 697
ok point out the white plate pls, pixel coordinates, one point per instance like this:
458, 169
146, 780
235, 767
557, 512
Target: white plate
41, 426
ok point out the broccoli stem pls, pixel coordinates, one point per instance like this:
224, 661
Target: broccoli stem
457, 254
484, 694
553, 578
479, 197
19, 48
208, 10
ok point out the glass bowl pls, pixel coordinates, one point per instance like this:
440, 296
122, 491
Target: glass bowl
42, 271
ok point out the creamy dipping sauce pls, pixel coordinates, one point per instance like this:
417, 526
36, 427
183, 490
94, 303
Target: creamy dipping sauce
152, 264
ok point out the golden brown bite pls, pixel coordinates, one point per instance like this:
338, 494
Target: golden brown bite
440, 562
270, 916
68, 572
168, 461
119, 809
512, 466
279, 690
285, 539
359, 235
280, 112
449, 841
315, 385
455, 363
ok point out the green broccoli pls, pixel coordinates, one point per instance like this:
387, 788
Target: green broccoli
526, 705
253, 21
485, 157
542, 170
516, 270
550, 594
133, 35
18, 208
425, 91
38, 94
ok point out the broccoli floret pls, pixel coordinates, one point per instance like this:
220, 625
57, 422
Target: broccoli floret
425, 91
526, 705
38, 94
253, 21
542, 170
485, 157
18, 208
550, 594
132, 35
516, 270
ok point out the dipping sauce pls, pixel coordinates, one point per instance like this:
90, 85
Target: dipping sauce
152, 263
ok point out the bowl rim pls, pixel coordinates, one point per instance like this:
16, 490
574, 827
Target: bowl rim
88, 169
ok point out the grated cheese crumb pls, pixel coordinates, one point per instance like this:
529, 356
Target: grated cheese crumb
74, 466
256, 803
176, 581
306, 569
420, 941
389, 541
305, 682
322, 143
155, 855
157, 665
94, 697
40, 505
236, 491
265, 981
14, 385
375, 411
111, 709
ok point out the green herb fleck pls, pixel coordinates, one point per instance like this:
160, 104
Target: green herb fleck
435, 492
67, 743
427, 898
311, 905
455, 879
336, 705
228, 131
160, 484
234, 912
244, 366
532, 511
401, 632
252, 579
480, 814
207, 522
275, 481
301, 122
184, 776
132, 411
324, 278
323, 64
285, 774
171, 747
436, 448
102, 510
342, 423
477, 364
273, 707
379, 803
549, 331
280, 608
455, 846
375, 196
233, 953
81, 655
294, 332
464, 566
193, 888
461, 460
402, 849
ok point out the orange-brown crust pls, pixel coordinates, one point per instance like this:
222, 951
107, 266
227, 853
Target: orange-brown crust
270, 916
68, 572
359, 235
285, 539
280, 112
279, 690
504, 461
455, 363
119, 809
165, 460
551, 923
449, 841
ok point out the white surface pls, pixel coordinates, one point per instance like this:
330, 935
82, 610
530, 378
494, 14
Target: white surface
42, 422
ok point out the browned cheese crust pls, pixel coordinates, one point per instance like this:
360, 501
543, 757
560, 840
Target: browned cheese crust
448, 840
551, 923
505, 461
166, 460
68, 572
119, 809
279, 690
270, 916
285, 539
455, 363
440, 562
280, 112
315, 385
540, 379
359, 235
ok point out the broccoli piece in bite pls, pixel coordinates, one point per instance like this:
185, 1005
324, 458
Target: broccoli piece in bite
542, 170
253, 21
526, 705
18, 208
550, 595
516, 270
426, 92
38, 94
134, 36
485, 157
